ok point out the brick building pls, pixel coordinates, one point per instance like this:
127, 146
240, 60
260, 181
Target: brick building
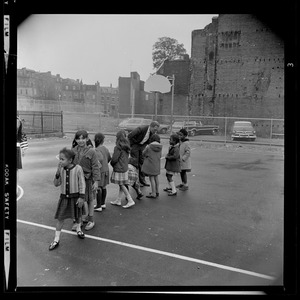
55, 90
237, 69
180, 68
132, 97
110, 100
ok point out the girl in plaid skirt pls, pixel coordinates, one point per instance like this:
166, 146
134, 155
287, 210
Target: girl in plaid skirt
119, 162
71, 180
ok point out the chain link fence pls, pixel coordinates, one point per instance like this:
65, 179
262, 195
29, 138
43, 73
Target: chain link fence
41, 122
268, 131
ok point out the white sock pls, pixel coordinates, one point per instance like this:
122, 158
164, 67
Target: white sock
172, 184
78, 228
57, 235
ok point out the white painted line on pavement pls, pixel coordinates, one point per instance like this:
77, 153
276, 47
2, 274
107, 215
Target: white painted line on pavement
173, 255
21, 192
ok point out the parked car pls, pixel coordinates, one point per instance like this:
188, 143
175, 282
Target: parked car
102, 114
243, 130
131, 123
195, 127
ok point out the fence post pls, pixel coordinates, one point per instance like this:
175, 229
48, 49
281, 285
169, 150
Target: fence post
62, 121
225, 130
271, 132
42, 122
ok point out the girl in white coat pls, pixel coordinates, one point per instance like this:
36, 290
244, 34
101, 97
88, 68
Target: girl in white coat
185, 158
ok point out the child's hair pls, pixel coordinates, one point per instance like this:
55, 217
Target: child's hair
85, 135
122, 141
99, 138
82, 133
174, 138
183, 131
69, 153
154, 138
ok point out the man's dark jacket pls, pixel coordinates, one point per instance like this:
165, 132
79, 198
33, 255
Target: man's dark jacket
138, 134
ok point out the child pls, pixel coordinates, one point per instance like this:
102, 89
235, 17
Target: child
22, 145
119, 162
185, 158
172, 165
104, 158
85, 156
133, 177
71, 179
151, 164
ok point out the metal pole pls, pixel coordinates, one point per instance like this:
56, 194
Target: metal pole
172, 101
271, 132
156, 98
225, 130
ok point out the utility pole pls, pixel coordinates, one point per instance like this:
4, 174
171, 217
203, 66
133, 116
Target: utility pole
172, 99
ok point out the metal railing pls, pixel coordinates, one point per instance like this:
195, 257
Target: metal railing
41, 122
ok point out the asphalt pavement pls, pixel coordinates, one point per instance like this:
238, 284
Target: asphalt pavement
226, 230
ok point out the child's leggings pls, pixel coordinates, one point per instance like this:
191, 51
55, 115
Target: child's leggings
169, 177
183, 176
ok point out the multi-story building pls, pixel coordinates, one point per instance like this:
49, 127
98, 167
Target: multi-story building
132, 97
110, 100
32, 85
237, 69
180, 69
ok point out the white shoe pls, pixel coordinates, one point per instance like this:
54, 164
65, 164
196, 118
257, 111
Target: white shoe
103, 206
116, 202
129, 204
97, 208
89, 225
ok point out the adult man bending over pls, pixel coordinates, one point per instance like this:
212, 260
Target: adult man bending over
139, 138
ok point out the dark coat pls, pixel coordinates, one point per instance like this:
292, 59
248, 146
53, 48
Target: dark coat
173, 159
138, 134
119, 160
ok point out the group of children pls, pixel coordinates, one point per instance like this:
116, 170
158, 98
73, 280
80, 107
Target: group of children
83, 175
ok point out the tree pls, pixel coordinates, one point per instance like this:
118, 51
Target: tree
166, 48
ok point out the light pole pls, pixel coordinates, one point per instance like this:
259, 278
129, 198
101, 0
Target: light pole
172, 98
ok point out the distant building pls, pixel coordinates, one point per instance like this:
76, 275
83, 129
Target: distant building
180, 68
110, 100
52, 89
237, 69
132, 97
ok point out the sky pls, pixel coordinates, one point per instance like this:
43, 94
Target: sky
100, 47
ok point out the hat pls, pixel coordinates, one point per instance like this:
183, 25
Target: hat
183, 131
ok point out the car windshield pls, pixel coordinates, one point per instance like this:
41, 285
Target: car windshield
243, 128
134, 121
178, 124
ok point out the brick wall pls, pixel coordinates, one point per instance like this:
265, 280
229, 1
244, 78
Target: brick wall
237, 69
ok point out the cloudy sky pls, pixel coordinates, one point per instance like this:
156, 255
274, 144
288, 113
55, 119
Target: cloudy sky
100, 47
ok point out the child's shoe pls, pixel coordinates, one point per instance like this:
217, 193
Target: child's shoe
98, 208
129, 203
103, 206
89, 225
184, 188
172, 193
180, 185
139, 196
116, 202
167, 189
